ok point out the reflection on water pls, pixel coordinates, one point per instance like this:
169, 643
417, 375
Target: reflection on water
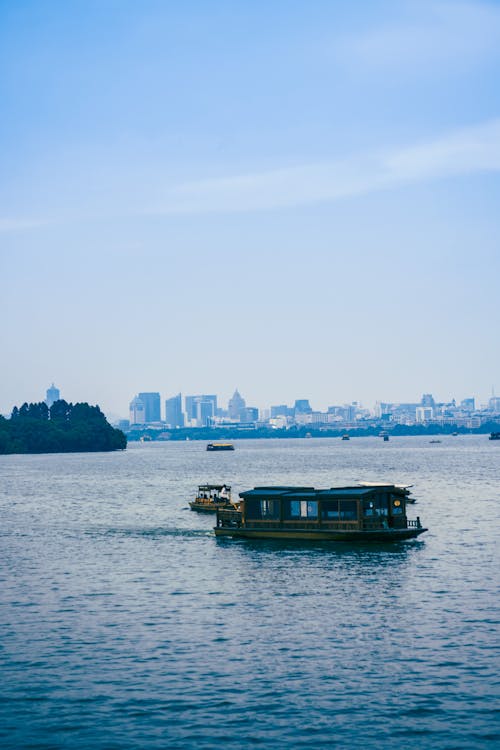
126, 624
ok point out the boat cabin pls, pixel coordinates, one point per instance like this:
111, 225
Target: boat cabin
340, 512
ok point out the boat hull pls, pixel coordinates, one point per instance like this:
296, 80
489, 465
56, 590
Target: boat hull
379, 535
210, 507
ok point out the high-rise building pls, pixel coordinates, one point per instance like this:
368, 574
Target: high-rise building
281, 410
53, 394
200, 409
236, 405
152, 406
249, 414
137, 411
468, 404
174, 416
427, 400
302, 406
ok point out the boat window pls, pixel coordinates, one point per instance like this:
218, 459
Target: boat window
380, 504
397, 506
312, 509
301, 509
269, 509
330, 509
369, 508
252, 509
348, 510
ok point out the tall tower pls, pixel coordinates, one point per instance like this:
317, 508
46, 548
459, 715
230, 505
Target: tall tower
137, 411
152, 406
173, 411
53, 394
236, 405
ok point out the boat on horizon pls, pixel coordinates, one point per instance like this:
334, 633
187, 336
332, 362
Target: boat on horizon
494, 436
220, 447
361, 513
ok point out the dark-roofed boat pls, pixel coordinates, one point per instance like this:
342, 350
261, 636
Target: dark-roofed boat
220, 447
373, 513
211, 497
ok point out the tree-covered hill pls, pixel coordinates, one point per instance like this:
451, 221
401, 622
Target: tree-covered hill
64, 428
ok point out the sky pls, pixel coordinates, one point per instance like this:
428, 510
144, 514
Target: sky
297, 199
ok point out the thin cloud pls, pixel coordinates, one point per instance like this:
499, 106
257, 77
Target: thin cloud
19, 224
436, 34
468, 151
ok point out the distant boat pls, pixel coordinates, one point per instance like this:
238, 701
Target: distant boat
220, 447
434, 441
454, 434
211, 497
345, 437
494, 436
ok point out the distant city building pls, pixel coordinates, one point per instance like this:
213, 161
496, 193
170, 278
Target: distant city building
249, 414
302, 406
468, 404
152, 407
53, 394
281, 410
174, 416
236, 405
424, 413
427, 400
201, 409
137, 411
494, 404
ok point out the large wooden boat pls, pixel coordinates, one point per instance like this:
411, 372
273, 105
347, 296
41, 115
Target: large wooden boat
372, 513
211, 497
220, 447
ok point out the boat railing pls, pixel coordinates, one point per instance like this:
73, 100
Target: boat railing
230, 518
414, 523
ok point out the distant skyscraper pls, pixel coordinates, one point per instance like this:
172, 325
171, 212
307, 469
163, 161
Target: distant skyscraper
152, 406
427, 400
249, 414
236, 405
302, 406
197, 414
174, 416
53, 394
468, 404
281, 410
137, 411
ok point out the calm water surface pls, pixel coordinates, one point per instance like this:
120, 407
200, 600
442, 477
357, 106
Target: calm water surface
126, 624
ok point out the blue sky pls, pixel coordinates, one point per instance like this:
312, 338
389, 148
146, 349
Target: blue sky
298, 199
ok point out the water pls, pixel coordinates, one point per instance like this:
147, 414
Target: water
126, 624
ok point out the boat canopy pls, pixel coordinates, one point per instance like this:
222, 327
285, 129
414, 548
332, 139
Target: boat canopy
334, 492
208, 487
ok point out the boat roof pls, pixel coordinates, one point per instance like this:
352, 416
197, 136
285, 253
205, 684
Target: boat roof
357, 491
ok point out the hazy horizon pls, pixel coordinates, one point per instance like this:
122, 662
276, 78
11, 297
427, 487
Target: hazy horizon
300, 201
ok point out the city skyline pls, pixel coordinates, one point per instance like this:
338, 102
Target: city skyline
284, 197
156, 401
